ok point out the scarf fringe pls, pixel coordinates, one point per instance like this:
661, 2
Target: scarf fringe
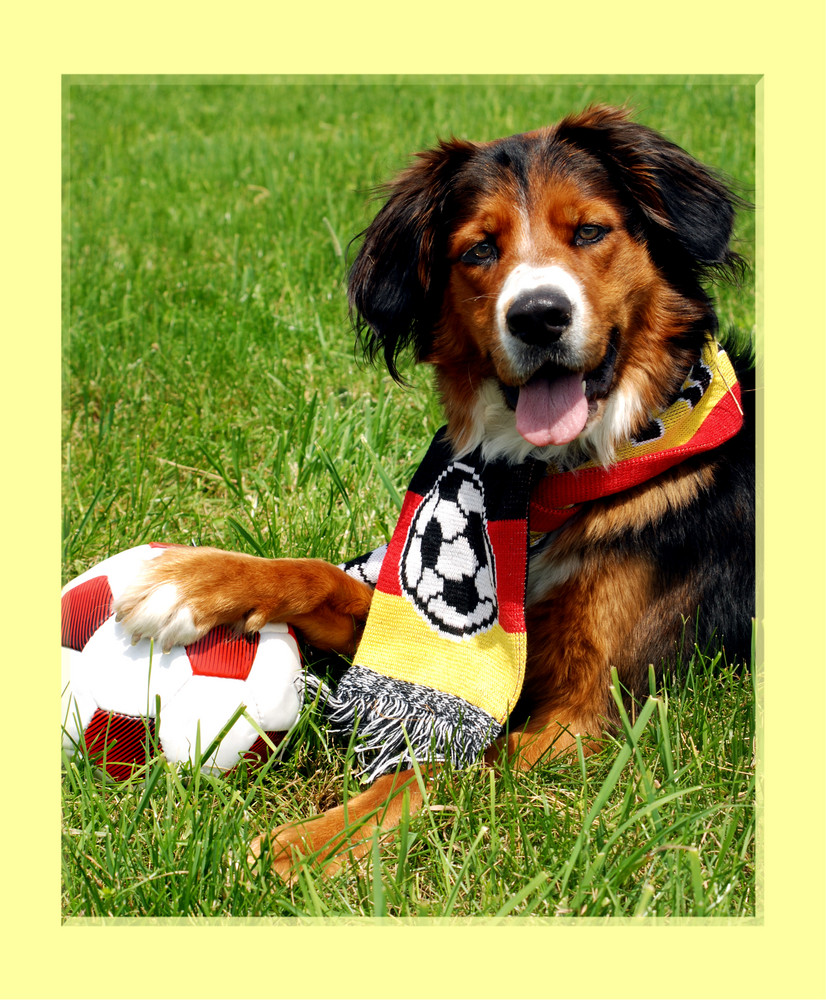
397, 722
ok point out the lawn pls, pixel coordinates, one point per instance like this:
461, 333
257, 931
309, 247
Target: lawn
212, 395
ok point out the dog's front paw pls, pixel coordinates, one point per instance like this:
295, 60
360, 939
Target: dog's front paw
157, 612
158, 604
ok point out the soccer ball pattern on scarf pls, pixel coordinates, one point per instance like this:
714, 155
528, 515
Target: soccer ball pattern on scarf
447, 566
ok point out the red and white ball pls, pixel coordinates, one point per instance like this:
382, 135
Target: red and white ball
111, 688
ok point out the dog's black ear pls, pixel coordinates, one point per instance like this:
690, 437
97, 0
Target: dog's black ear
686, 211
397, 280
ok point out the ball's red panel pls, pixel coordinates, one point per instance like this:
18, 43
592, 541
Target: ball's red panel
118, 742
223, 652
260, 751
83, 609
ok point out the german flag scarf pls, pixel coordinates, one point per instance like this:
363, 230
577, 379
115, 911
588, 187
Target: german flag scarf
442, 659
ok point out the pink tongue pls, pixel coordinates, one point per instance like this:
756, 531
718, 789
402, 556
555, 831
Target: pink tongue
551, 412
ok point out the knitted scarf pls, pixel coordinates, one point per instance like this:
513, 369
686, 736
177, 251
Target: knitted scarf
442, 659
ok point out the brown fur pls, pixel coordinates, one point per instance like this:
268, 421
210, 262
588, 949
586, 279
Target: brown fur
230, 588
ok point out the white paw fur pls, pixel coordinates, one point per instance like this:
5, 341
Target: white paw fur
158, 613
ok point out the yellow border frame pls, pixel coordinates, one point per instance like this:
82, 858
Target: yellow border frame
777, 955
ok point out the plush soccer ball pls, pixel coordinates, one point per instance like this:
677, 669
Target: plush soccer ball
111, 687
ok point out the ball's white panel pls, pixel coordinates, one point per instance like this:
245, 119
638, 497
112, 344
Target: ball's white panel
237, 741
123, 572
279, 627
121, 568
208, 703
275, 683
76, 707
112, 674
127, 678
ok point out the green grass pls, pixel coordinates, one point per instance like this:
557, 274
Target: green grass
212, 395
660, 823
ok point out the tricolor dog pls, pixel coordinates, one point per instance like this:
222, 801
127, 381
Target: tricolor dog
554, 281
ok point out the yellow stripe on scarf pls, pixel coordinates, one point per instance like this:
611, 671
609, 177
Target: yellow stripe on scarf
680, 421
486, 670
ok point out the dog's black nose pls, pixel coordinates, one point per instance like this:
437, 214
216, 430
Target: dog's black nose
539, 317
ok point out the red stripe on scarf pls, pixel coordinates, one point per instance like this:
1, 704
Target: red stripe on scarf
388, 580
510, 553
558, 496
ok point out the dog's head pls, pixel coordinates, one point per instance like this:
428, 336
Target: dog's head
551, 278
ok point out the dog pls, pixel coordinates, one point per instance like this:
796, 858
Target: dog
554, 282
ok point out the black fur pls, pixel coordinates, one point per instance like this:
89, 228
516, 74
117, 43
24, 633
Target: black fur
395, 286
684, 210
708, 547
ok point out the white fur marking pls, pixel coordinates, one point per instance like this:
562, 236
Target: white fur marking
180, 631
162, 615
621, 414
526, 278
159, 603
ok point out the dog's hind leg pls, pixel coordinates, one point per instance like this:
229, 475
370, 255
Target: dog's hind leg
345, 832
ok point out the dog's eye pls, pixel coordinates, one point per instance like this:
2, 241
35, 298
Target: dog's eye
481, 253
589, 233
